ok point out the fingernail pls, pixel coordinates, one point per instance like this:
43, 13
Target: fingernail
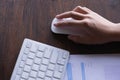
57, 16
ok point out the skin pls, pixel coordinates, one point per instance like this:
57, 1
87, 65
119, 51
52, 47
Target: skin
97, 29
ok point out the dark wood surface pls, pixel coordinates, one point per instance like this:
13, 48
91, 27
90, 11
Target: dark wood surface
32, 19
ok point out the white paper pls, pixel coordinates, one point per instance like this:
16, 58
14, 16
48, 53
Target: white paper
93, 67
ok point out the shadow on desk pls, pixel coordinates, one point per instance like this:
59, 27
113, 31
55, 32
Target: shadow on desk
74, 48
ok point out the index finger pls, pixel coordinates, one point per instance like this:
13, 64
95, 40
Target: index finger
72, 14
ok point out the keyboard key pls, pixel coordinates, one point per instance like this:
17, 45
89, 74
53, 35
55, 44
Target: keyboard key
47, 53
54, 56
45, 61
42, 48
48, 78
65, 55
41, 74
49, 73
57, 74
27, 68
19, 71
34, 48
29, 44
43, 68
61, 62
22, 64
33, 74
51, 66
25, 75
37, 61
35, 67
29, 62
31, 55
24, 57
26, 50
61, 68
39, 54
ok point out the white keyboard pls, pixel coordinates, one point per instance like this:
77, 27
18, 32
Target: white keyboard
38, 61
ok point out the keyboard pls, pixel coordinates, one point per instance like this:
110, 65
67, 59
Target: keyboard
39, 61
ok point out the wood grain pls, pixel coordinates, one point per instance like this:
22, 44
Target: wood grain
32, 19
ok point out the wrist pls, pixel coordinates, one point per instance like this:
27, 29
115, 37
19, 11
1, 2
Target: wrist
115, 32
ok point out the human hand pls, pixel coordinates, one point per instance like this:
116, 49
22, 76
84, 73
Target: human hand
96, 29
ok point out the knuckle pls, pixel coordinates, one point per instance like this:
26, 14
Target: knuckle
72, 13
86, 21
78, 6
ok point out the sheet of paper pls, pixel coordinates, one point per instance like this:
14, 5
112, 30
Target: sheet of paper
93, 67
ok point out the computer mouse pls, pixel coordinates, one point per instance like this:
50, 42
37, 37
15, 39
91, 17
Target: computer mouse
64, 29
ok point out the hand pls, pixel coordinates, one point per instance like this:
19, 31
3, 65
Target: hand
96, 29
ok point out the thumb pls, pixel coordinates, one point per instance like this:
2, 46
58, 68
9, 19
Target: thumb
73, 37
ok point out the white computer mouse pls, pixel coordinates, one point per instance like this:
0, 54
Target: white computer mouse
64, 29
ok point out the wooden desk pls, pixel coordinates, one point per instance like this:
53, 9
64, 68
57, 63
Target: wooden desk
32, 19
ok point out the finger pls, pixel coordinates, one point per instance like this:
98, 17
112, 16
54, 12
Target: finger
70, 23
83, 10
80, 10
78, 39
73, 14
